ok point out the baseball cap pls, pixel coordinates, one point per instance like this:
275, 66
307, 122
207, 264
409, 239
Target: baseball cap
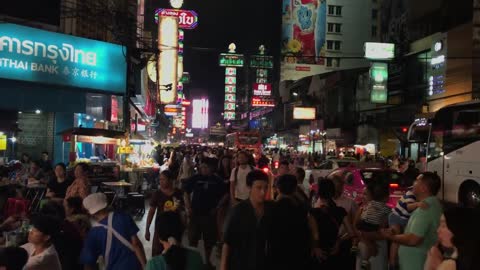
95, 202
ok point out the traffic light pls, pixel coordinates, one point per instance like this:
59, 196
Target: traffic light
404, 129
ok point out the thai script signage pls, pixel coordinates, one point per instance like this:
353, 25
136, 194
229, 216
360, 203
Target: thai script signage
187, 19
231, 60
29, 54
262, 89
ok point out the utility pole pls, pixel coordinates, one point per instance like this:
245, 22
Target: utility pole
247, 92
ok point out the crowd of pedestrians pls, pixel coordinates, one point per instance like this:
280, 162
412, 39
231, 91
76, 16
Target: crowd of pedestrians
254, 215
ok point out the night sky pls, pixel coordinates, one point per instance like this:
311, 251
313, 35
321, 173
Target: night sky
247, 23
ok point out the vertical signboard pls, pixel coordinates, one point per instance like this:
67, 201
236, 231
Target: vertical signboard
200, 113
168, 59
230, 61
303, 38
437, 74
378, 82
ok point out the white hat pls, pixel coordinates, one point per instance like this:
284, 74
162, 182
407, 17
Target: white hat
95, 202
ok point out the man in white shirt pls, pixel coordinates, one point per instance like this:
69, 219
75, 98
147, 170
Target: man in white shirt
41, 252
238, 179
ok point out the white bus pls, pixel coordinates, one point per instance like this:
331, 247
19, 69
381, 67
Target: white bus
451, 142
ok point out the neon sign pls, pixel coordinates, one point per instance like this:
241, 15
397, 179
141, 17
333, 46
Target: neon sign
30, 54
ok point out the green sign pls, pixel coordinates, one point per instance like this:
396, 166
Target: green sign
262, 73
231, 80
379, 81
230, 98
261, 61
378, 96
34, 55
185, 78
231, 60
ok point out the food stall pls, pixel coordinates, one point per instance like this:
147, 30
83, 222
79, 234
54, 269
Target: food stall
94, 146
137, 159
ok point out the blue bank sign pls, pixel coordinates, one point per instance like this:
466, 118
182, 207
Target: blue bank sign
34, 55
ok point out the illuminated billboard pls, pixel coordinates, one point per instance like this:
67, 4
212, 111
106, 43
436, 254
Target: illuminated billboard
379, 81
168, 59
262, 89
200, 113
230, 61
263, 102
303, 38
34, 55
304, 113
379, 51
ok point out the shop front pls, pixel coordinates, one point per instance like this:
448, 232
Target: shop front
56, 82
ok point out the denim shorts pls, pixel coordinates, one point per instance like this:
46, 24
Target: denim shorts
394, 219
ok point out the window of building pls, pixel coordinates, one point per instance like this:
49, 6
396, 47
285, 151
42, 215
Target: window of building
331, 10
337, 45
374, 31
334, 27
374, 14
333, 45
338, 27
335, 10
330, 27
333, 62
329, 44
338, 11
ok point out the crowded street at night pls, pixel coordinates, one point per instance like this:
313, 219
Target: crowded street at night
239, 135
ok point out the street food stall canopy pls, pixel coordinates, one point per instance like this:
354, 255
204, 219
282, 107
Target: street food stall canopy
93, 135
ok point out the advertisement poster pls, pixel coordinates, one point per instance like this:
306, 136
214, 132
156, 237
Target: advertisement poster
303, 38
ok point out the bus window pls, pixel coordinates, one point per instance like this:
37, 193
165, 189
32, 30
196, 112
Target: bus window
464, 129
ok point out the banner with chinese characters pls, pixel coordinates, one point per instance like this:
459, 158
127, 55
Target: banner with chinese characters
34, 55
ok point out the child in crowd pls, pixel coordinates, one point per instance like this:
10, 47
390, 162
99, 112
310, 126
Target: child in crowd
372, 216
398, 219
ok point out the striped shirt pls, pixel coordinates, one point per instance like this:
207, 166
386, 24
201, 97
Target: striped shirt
375, 212
401, 209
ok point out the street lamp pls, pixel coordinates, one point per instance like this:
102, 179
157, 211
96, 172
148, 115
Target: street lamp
13, 140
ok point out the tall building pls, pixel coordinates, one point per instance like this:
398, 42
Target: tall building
432, 68
321, 57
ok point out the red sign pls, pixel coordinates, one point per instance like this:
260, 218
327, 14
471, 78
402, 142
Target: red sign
263, 102
262, 89
114, 107
187, 19
302, 68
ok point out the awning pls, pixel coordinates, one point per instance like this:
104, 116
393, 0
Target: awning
95, 132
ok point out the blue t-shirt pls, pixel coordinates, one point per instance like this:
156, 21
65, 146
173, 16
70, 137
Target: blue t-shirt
121, 257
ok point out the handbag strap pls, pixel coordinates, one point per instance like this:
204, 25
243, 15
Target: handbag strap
109, 238
110, 233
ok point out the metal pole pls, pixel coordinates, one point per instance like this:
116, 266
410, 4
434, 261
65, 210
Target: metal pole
126, 98
247, 90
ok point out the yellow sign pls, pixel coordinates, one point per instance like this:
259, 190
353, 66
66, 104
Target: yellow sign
3, 142
125, 150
